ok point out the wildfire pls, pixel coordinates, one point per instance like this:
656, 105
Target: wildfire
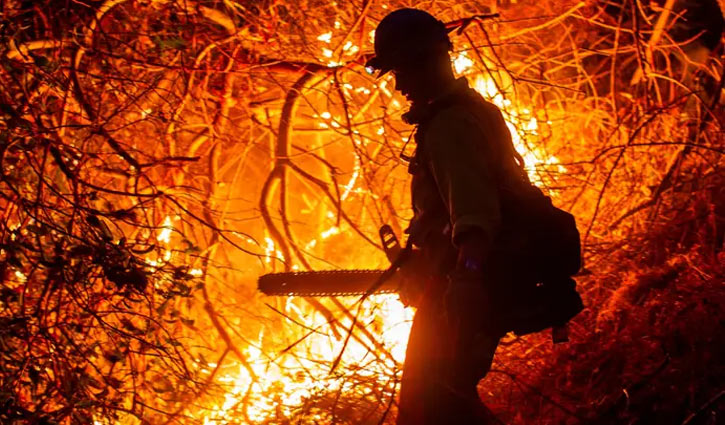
522, 126
286, 382
159, 156
277, 382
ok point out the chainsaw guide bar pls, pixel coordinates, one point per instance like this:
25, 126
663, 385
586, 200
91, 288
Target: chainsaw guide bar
332, 283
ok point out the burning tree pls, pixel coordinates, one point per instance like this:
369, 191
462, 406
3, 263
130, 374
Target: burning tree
159, 155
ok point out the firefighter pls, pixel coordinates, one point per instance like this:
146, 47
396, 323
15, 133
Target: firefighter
463, 154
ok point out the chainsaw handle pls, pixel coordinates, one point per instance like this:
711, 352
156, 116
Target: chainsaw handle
391, 246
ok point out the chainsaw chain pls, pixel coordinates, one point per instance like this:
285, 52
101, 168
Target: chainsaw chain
322, 273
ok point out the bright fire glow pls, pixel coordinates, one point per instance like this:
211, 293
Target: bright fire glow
462, 62
166, 229
278, 383
521, 125
284, 382
334, 230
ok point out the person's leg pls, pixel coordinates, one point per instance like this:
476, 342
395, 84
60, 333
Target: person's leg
459, 402
418, 371
442, 369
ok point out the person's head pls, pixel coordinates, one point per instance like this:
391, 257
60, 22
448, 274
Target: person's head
414, 46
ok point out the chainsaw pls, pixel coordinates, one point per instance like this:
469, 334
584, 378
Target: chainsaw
334, 283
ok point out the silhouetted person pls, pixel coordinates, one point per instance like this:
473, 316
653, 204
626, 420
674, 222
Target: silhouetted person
463, 154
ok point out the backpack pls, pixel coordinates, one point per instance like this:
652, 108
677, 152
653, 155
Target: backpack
535, 254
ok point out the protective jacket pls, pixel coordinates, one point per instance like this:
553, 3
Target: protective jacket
467, 176
464, 155
464, 159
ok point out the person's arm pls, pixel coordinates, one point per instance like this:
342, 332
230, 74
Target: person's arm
455, 151
473, 247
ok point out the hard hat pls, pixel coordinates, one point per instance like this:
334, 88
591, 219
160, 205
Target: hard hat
404, 36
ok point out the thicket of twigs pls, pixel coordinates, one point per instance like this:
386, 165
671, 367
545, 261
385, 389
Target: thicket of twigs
158, 155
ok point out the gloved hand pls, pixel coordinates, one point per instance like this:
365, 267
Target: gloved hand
413, 275
472, 251
468, 301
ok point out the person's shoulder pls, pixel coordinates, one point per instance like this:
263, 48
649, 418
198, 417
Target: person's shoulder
452, 117
472, 110
453, 121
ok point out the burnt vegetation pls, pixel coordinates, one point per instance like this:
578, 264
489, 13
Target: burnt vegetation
158, 155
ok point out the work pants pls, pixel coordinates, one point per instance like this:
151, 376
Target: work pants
445, 360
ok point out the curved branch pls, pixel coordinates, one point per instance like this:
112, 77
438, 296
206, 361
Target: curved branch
278, 174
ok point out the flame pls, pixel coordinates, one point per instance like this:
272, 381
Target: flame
274, 384
166, 229
521, 125
20, 278
334, 230
326, 37
462, 62
270, 251
283, 383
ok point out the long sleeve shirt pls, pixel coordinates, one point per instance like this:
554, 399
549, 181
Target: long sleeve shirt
466, 153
